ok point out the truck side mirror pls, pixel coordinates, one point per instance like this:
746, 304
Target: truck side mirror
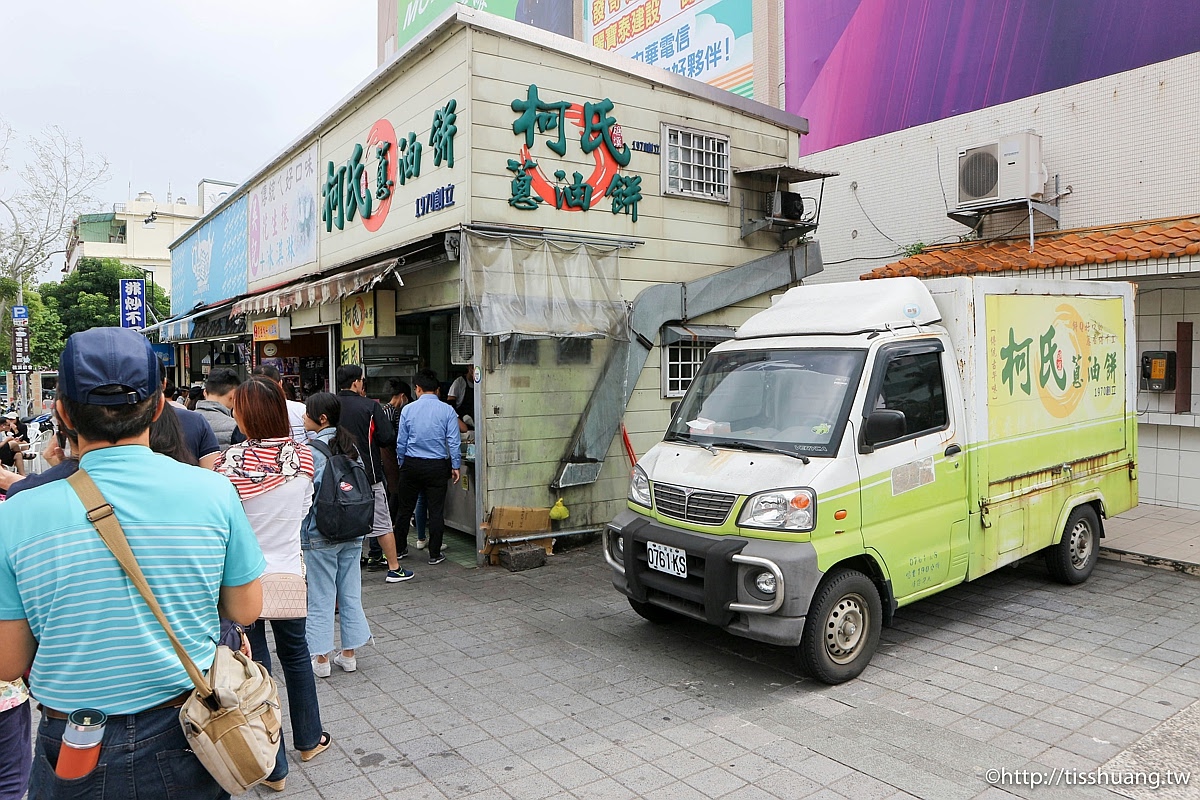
674, 408
884, 425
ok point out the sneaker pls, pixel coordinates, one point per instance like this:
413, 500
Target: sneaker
376, 563
437, 559
320, 668
347, 663
402, 554
397, 575
421, 544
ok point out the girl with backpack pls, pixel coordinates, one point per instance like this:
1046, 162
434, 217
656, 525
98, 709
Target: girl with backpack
334, 576
273, 475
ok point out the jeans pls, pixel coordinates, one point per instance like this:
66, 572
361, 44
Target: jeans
430, 476
421, 516
14, 752
142, 755
292, 650
334, 578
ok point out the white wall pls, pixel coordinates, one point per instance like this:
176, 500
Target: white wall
1127, 144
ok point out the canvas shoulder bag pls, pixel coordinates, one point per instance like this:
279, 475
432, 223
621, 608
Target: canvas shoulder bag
231, 720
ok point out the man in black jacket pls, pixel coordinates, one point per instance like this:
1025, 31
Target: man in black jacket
365, 420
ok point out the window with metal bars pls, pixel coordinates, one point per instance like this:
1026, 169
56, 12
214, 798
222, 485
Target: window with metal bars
682, 362
695, 164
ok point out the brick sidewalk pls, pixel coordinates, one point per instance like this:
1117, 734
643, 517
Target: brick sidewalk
490, 684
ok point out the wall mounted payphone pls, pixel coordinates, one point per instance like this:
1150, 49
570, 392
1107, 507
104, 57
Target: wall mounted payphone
1158, 371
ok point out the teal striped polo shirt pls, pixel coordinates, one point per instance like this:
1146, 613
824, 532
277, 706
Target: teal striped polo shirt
99, 646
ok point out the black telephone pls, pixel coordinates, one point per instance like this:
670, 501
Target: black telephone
1158, 370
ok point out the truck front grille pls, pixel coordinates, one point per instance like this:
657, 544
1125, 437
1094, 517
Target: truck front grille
692, 505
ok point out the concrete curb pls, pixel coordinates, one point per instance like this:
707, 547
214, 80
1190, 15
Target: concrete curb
1186, 567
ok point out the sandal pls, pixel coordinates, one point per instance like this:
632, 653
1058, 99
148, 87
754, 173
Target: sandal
322, 746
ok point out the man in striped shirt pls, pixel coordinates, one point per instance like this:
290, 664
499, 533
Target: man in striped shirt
67, 608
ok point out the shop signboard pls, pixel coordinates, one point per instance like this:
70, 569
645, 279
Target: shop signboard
166, 353
132, 305
365, 186
709, 40
272, 329
210, 264
589, 127
350, 352
283, 217
358, 316
21, 363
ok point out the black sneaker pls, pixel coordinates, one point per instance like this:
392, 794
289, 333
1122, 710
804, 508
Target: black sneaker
376, 563
437, 559
402, 555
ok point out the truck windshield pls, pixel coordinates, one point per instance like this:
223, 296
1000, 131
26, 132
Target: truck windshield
794, 400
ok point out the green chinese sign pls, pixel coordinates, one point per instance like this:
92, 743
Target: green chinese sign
597, 133
365, 185
1052, 361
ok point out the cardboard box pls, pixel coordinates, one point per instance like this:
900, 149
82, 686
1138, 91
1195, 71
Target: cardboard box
518, 519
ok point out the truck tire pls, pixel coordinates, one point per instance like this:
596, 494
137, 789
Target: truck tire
1072, 560
842, 628
656, 614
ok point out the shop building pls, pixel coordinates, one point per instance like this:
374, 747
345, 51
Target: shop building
579, 226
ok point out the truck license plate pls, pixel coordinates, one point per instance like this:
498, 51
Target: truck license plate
670, 560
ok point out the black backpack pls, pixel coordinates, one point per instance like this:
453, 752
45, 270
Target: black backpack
345, 504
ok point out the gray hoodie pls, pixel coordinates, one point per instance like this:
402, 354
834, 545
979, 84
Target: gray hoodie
221, 420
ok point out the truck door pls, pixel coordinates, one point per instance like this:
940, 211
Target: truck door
913, 475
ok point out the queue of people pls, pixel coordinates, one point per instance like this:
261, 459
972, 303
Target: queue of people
226, 525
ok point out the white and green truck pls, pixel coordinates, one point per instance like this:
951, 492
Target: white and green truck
859, 446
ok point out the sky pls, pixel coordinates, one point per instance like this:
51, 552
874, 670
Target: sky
175, 91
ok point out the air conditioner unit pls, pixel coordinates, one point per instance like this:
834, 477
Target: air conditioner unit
785, 205
1001, 171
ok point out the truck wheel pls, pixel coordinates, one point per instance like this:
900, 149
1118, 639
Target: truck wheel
842, 628
1072, 560
656, 614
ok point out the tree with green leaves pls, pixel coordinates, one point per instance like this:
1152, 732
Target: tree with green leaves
87, 298
46, 332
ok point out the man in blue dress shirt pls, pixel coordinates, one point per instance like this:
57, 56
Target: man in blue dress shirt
428, 448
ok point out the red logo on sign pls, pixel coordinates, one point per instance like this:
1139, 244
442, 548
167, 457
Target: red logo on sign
382, 134
606, 166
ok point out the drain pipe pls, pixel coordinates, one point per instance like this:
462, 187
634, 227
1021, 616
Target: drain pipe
547, 535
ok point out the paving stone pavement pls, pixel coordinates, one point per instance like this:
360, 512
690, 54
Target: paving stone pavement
544, 684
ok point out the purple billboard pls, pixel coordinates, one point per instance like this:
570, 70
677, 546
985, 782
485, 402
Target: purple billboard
861, 68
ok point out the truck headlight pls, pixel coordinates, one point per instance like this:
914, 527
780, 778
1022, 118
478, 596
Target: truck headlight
782, 509
639, 488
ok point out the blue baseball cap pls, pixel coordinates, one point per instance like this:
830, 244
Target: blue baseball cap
108, 367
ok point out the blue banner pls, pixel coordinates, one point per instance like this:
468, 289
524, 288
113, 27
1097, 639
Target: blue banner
211, 264
132, 303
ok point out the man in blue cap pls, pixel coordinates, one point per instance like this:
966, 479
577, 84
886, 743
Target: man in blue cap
68, 609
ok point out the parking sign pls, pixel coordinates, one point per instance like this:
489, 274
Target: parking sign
20, 313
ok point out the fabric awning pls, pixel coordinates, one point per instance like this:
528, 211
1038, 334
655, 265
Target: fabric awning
184, 328
316, 292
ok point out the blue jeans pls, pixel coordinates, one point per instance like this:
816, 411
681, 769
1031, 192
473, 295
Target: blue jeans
421, 517
292, 650
334, 580
14, 752
142, 755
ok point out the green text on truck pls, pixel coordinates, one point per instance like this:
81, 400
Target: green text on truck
859, 446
